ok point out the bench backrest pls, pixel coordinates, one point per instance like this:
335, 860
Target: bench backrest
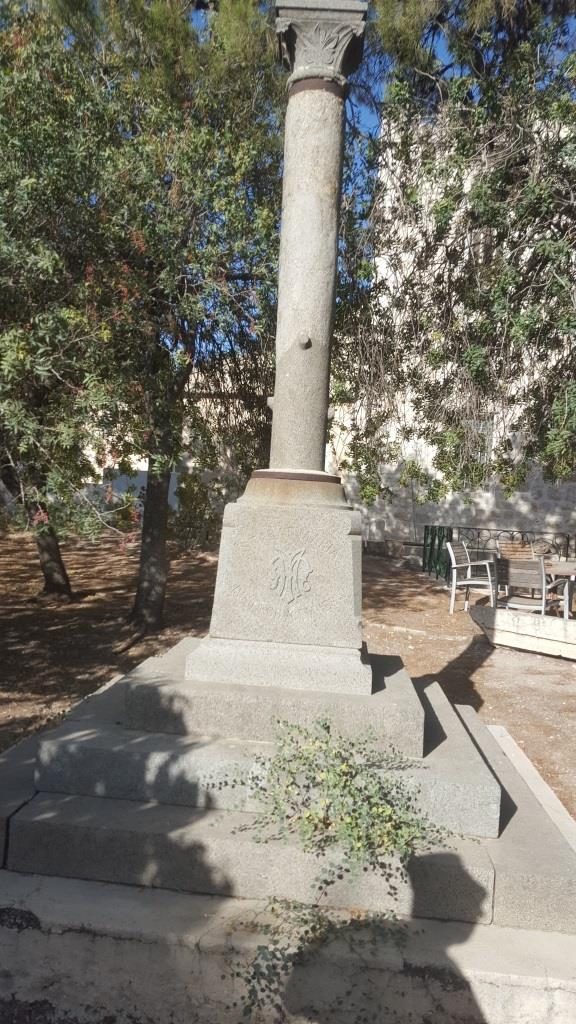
514, 549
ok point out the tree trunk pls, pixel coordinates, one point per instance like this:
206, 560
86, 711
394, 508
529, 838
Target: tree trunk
153, 572
56, 579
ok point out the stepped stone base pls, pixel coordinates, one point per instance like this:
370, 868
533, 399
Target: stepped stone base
134, 787
158, 698
452, 786
210, 852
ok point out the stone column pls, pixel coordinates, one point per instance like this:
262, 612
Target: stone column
288, 604
321, 43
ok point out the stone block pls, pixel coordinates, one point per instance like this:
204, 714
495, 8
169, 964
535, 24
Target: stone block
110, 761
161, 703
210, 852
295, 666
455, 787
535, 866
90, 951
452, 786
289, 575
16, 783
527, 632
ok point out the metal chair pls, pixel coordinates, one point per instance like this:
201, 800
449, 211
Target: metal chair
528, 575
460, 562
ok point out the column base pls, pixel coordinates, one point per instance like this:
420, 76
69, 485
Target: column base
288, 603
294, 666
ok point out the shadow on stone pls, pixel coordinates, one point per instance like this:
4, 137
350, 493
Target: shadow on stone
456, 678
434, 734
383, 665
372, 970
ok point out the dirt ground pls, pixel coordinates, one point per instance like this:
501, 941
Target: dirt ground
52, 654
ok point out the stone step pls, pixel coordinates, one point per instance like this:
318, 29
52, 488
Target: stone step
158, 699
457, 788
535, 864
452, 786
210, 852
91, 951
110, 761
147, 843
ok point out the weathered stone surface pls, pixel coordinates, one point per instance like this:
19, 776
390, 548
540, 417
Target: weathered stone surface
110, 761
457, 790
543, 793
535, 866
289, 575
16, 783
270, 487
321, 40
158, 701
208, 852
296, 666
307, 278
453, 786
96, 952
525, 632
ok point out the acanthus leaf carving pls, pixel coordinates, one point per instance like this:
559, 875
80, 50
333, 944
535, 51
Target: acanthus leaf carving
321, 45
327, 45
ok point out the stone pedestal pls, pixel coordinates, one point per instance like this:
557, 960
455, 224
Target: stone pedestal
287, 609
288, 602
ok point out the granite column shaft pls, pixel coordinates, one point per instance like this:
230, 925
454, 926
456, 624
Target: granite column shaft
307, 273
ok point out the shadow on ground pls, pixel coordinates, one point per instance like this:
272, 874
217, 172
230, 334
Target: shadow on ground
55, 653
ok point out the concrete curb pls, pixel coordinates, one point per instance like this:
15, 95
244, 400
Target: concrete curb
544, 794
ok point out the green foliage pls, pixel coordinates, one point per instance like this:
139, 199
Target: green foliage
561, 431
298, 938
466, 342
340, 796
139, 200
343, 800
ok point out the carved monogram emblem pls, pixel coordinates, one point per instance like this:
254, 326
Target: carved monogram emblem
290, 575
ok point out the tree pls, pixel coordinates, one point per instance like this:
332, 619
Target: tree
177, 272
53, 124
469, 253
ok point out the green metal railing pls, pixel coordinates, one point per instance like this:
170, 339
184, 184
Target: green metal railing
435, 556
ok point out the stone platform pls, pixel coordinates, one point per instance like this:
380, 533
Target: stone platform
133, 790
76, 952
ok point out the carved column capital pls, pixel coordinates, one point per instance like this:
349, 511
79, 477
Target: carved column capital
321, 38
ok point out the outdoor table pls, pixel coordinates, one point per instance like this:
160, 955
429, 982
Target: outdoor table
567, 569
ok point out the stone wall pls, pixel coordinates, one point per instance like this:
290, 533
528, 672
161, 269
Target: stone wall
399, 520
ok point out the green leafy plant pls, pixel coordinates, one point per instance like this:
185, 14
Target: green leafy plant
350, 805
296, 937
341, 796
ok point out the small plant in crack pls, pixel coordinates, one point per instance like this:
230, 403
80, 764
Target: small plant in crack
297, 939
